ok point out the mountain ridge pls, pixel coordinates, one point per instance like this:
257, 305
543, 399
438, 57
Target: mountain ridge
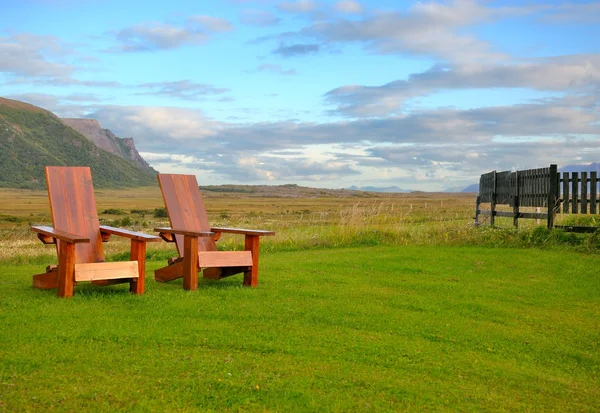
107, 140
32, 138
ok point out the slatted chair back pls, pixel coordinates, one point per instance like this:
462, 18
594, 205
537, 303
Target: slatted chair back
185, 208
73, 208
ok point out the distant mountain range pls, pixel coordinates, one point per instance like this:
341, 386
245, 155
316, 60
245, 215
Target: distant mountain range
105, 139
594, 166
378, 189
32, 138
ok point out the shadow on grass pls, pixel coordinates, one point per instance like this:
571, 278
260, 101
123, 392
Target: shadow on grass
227, 283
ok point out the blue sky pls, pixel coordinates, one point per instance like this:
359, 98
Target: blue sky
421, 95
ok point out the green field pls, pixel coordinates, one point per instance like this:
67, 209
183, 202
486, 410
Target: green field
383, 303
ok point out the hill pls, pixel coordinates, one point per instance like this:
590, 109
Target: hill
395, 189
31, 138
284, 191
594, 166
105, 139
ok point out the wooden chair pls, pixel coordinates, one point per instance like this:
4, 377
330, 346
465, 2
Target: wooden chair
79, 236
195, 238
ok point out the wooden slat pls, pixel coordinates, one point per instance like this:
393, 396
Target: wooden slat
551, 187
139, 236
187, 232
593, 191
138, 255
509, 214
49, 232
73, 208
66, 269
207, 259
106, 270
185, 208
190, 263
47, 280
251, 245
584, 193
579, 229
566, 193
243, 231
575, 192
170, 272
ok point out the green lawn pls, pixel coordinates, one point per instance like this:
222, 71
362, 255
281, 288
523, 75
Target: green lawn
362, 329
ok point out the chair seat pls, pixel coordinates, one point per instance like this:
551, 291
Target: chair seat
106, 270
208, 259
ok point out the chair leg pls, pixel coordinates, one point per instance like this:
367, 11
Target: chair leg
66, 269
251, 276
47, 280
138, 253
170, 272
190, 263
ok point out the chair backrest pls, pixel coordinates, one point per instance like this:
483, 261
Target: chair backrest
185, 208
73, 208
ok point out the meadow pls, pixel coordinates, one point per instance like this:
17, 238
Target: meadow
366, 302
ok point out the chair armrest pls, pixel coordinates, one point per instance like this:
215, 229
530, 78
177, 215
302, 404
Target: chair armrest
243, 231
61, 235
185, 232
138, 236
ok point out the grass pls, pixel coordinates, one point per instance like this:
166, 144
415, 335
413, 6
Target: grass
372, 302
301, 220
383, 328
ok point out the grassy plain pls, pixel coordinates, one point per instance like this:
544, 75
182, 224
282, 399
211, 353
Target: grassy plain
366, 302
386, 328
302, 217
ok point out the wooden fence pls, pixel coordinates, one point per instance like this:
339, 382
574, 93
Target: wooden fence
575, 193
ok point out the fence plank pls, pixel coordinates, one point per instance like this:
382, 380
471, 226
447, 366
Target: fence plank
584, 191
552, 195
493, 199
575, 192
515, 200
593, 191
566, 192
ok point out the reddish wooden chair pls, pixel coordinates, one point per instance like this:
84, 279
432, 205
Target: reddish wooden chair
78, 237
195, 238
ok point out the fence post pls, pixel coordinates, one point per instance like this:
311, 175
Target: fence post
593, 191
552, 195
493, 199
584, 193
516, 200
575, 192
566, 193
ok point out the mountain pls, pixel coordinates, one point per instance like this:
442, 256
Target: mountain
378, 189
471, 188
594, 166
105, 139
31, 138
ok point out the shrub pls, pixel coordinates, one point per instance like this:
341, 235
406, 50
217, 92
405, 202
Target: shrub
160, 213
113, 211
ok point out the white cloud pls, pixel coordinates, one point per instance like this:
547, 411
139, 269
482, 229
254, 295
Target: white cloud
577, 73
150, 36
254, 17
181, 89
298, 6
348, 6
211, 23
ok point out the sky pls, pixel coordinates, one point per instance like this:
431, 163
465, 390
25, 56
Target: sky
420, 95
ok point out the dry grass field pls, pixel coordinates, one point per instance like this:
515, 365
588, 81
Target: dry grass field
302, 218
